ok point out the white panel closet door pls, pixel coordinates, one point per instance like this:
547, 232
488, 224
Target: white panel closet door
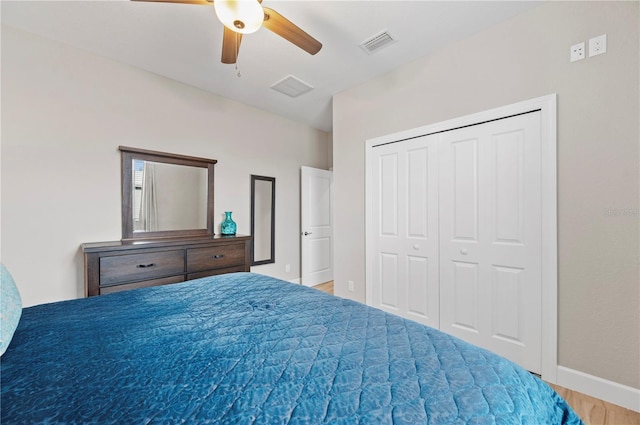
405, 213
490, 237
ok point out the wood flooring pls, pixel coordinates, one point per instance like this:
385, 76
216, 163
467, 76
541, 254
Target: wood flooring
326, 287
593, 411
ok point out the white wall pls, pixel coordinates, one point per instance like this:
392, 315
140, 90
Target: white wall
64, 114
598, 151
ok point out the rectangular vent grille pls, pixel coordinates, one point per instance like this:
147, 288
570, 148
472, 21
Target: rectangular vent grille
377, 42
292, 86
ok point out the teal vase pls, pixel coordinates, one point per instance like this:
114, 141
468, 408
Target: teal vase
228, 226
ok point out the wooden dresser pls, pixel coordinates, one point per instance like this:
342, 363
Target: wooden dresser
118, 266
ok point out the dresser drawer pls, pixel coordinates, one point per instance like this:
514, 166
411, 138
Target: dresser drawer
215, 257
215, 272
141, 284
127, 268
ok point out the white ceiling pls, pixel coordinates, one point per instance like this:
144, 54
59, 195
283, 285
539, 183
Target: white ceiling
183, 42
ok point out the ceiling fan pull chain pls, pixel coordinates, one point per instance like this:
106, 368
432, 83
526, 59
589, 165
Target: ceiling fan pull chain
237, 53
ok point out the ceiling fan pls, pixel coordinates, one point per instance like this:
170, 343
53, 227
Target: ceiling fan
247, 16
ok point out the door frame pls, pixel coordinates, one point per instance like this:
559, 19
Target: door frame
548, 147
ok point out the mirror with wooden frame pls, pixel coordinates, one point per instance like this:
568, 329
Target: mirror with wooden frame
165, 195
263, 220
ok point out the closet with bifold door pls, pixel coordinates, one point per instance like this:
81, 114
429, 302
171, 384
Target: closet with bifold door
454, 233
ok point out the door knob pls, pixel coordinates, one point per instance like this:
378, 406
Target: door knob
416, 247
306, 233
464, 251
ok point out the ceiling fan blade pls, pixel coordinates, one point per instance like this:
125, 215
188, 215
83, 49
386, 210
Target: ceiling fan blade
230, 45
205, 2
273, 21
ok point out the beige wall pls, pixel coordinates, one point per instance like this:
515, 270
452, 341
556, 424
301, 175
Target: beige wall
330, 154
598, 151
64, 114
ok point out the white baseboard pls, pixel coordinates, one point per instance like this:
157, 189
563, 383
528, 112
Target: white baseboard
296, 281
612, 392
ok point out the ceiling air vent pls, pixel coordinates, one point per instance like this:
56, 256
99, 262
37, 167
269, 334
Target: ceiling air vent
292, 86
377, 42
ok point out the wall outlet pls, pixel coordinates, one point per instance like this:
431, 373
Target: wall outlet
577, 52
598, 45
350, 285
287, 268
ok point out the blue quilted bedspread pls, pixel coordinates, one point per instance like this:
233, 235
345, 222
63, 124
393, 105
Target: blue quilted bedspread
248, 349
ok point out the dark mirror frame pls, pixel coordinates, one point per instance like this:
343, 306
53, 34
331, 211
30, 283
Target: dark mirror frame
127, 156
271, 258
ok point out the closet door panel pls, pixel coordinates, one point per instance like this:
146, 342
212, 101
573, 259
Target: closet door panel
507, 162
507, 296
418, 287
389, 274
418, 193
460, 255
513, 250
500, 189
405, 193
388, 195
465, 287
464, 188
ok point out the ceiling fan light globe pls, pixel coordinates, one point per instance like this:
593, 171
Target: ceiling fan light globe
243, 16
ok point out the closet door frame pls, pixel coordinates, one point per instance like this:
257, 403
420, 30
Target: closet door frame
548, 134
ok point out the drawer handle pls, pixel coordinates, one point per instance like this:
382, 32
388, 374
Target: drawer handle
217, 256
144, 266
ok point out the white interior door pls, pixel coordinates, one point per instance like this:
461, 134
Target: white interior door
317, 226
490, 237
405, 240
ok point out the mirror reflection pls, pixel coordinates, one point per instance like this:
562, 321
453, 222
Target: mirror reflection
168, 197
263, 219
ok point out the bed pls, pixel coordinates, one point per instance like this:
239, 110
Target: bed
244, 348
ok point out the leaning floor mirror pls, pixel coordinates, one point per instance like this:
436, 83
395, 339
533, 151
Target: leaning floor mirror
263, 219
